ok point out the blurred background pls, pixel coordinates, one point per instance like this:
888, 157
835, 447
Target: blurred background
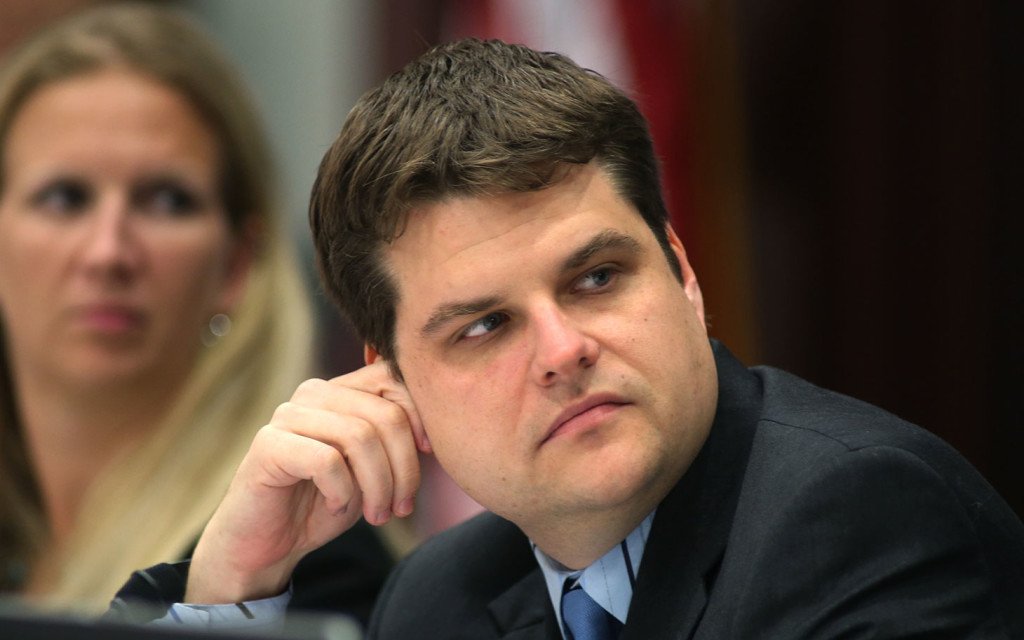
847, 176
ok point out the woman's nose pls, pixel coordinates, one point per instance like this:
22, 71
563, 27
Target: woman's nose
110, 246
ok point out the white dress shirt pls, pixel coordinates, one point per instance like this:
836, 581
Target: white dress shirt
609, 581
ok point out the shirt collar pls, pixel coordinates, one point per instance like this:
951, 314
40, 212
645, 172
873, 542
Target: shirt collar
609, 580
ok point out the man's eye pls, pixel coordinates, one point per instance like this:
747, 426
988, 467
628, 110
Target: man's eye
63, 197
595, 279
484, 325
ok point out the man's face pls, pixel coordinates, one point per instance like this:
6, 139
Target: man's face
556, 361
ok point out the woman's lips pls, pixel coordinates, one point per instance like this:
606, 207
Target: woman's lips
110, 319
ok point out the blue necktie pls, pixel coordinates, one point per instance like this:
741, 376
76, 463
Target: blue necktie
584, 619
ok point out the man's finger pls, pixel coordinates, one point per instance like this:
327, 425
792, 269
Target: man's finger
358, 445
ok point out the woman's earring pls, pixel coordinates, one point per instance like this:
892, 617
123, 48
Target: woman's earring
218, 327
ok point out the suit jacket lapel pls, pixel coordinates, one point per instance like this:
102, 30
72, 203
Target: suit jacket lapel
524, 612
692, 525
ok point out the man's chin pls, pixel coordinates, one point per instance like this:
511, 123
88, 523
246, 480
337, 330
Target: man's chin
614, 481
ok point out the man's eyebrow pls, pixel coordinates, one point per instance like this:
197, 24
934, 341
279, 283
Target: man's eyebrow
445, 313
607, 239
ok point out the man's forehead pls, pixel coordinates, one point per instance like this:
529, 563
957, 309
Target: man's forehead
470, 238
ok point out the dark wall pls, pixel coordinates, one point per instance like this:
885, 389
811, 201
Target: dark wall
886, 173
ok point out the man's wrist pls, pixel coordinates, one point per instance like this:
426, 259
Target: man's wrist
215, 583
214, 589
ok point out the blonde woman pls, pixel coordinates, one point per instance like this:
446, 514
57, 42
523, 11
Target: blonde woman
151, 313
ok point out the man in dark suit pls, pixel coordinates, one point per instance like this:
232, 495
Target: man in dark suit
490, 219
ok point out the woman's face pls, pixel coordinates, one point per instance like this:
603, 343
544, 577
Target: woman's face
115, 249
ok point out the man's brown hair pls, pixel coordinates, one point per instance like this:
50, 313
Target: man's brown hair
469, 118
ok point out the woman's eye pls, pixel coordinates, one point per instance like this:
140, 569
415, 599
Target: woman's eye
63, 197
595, 279
167, 200
484, 325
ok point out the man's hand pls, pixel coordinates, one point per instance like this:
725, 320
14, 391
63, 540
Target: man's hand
337, 450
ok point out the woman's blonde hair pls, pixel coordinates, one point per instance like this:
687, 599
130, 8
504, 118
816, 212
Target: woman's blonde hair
151, 505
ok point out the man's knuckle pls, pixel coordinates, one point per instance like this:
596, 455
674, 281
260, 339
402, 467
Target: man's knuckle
329, 460
308, 388
360, 433
265, 433
393, 417
283, 413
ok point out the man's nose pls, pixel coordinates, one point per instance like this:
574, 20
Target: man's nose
110, 247
563, 349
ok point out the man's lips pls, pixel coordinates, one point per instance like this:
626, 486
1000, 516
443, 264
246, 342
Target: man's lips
583, 415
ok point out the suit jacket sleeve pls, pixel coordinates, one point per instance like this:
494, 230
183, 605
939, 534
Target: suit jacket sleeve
343, 576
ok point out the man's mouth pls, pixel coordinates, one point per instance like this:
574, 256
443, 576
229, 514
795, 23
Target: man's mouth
584, 415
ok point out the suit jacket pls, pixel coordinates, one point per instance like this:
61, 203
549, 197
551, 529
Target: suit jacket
807, 514
343, 576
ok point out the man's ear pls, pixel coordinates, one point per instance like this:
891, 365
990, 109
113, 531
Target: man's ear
690, 285
370, 354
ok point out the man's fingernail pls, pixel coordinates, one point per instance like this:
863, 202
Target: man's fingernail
406, 507
383, 517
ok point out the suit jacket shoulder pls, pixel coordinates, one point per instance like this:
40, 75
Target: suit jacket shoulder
830, 518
